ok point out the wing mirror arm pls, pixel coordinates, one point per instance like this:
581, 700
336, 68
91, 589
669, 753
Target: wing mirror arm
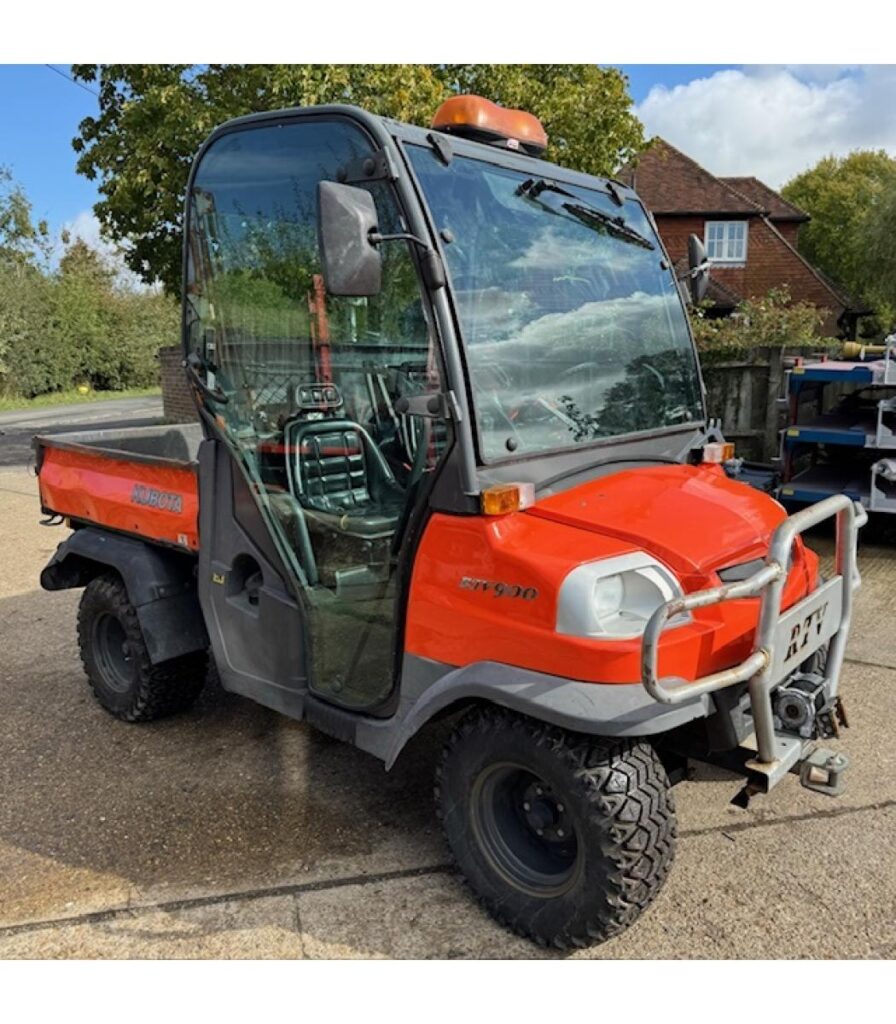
349, 239
693, 272
430, 261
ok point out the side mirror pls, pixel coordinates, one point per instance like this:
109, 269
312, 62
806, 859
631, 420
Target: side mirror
698, 276
352, 265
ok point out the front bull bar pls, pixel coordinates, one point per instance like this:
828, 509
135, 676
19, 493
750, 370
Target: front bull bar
769, 582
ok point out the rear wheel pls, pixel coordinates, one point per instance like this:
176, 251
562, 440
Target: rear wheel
117, 663
566, 839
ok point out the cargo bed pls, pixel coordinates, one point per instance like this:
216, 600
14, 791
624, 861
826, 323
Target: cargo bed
140, 480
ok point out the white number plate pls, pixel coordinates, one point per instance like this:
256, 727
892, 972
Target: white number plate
805, 627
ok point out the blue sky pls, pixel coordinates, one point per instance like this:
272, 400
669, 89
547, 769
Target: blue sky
39, 115
771, 121
643, 77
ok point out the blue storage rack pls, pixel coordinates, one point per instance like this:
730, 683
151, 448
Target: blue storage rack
867, 427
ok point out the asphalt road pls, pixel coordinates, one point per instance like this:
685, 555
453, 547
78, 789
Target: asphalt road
17, 428
232, 831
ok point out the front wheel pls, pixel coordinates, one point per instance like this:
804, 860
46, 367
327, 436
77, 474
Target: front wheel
565, 838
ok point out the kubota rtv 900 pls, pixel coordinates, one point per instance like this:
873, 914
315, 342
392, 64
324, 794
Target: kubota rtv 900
453, 458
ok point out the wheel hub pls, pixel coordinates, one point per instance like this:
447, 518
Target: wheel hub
525, 830
113, 652
544, 814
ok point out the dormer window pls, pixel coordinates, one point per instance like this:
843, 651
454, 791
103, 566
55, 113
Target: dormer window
726, 241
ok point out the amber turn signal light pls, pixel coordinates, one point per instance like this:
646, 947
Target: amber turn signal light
478, 118
718, 451
503, 498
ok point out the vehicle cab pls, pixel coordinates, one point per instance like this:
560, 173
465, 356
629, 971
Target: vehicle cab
522, 326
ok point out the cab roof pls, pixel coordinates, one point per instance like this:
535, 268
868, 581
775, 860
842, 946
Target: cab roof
385, 130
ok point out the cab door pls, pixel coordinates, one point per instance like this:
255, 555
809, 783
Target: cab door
312, 421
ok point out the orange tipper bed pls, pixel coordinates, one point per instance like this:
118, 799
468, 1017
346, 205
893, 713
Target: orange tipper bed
140, 481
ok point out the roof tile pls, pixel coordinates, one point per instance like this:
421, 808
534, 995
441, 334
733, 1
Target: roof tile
672, 183
775, 205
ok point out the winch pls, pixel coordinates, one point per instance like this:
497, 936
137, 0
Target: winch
802, 706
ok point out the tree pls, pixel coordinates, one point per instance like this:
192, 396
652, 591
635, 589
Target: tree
76, 324
24, 311
22, 242
111, 335
845, 197
153, 118
882, 253
84, 301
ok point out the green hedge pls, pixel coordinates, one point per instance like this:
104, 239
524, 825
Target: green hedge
76, 326
772, 321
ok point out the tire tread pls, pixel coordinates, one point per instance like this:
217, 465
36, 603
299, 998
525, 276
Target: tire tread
628, 796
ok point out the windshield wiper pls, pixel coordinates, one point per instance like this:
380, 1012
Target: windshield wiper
532, 189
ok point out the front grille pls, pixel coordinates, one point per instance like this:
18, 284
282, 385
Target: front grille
741, 571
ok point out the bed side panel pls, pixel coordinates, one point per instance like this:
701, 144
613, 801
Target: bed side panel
156, 502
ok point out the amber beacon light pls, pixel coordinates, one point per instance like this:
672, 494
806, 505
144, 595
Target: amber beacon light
478, 118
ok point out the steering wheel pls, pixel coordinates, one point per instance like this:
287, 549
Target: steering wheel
652, 369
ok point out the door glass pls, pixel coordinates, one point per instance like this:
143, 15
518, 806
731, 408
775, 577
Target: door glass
314, 384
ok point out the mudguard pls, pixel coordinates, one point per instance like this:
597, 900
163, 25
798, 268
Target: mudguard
160, 583
429, 688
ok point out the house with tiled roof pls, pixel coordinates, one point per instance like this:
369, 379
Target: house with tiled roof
749, 230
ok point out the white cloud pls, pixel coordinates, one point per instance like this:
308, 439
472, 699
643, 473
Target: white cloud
775, 122
86, 227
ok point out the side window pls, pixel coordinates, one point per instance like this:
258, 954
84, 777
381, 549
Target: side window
292, 359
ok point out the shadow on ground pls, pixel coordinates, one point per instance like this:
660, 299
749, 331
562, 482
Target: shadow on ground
229, 796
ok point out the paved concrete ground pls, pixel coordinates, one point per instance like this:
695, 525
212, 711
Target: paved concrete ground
232, 831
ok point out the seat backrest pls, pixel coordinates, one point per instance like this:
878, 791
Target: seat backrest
329, 465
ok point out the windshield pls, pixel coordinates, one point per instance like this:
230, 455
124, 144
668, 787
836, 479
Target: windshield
573, 329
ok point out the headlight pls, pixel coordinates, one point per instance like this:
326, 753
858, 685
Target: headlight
615, 597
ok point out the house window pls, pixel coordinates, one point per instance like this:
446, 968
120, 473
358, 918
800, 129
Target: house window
726, 241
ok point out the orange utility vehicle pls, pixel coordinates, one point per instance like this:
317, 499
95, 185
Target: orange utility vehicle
452, 458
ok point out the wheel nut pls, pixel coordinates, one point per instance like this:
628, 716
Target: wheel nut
527, 806
560, 832
539, 831
538, 791
559, 808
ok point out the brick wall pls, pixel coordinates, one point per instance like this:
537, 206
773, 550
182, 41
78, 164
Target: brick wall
770, 264
674, 232
177, 399
790, 229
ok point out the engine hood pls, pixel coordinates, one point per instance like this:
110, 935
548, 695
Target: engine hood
693, 518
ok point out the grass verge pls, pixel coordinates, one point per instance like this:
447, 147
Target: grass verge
72, 397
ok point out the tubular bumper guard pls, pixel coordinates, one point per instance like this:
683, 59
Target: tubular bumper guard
761, 668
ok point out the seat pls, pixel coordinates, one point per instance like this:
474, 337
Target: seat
341, 479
